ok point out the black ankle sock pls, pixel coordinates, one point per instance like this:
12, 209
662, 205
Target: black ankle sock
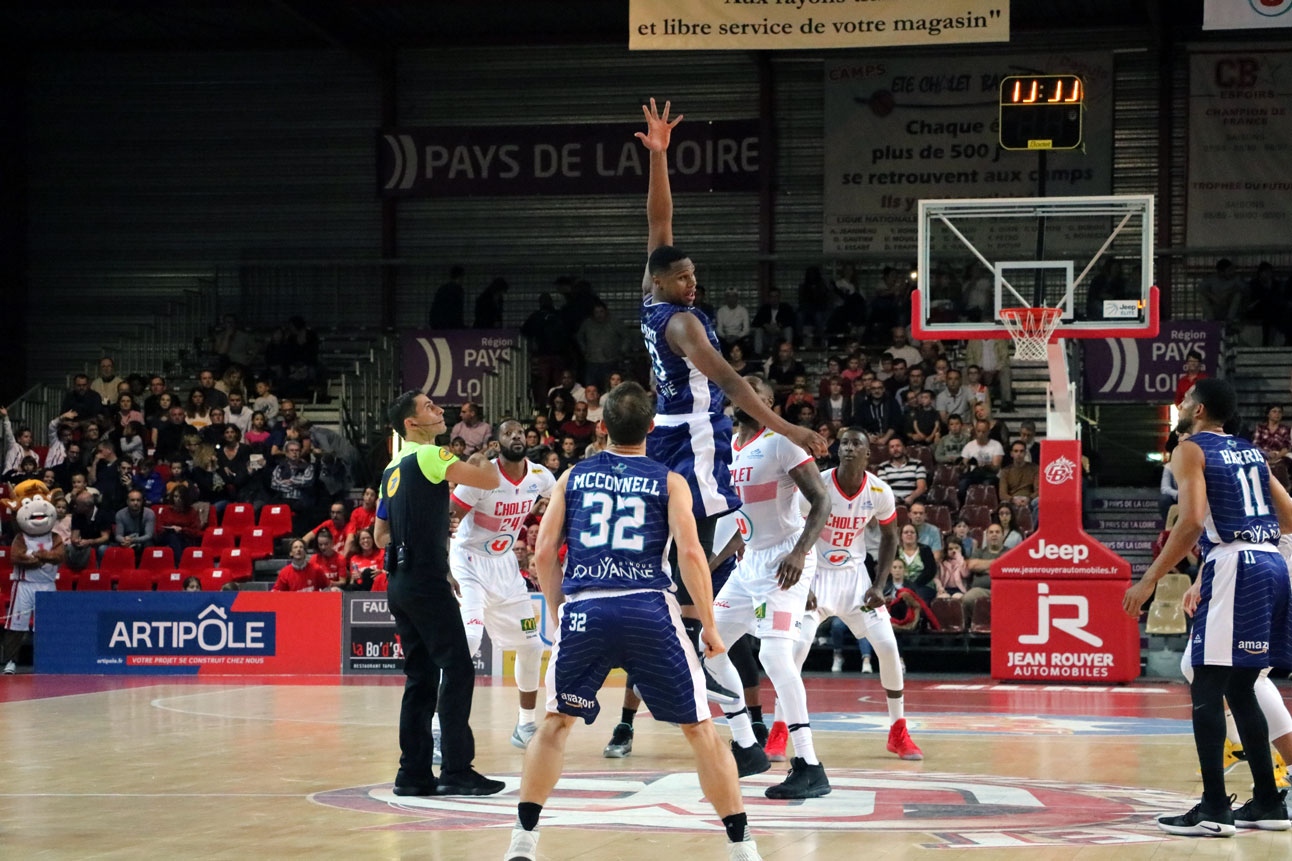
527, 814
756, 714
627, 715
737, 825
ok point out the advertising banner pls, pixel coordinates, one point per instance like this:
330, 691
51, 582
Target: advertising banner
1240, 148
1147, 370
1246, 14
899, 130
450, 365
370, 646
772, 25
592, 158
188, 633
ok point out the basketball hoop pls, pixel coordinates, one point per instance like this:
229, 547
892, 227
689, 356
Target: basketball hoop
1031, 329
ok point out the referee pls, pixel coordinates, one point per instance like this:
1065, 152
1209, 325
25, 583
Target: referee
413, 519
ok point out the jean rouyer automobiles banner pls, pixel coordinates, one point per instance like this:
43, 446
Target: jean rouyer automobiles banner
901, 130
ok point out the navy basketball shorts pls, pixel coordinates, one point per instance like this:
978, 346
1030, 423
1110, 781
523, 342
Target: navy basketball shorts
1243, 618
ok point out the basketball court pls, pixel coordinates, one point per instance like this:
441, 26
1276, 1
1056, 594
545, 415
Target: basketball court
127, 767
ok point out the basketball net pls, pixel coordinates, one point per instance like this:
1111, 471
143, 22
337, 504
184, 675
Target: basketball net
1031, 329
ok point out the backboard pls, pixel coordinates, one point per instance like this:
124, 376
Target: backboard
1090, 256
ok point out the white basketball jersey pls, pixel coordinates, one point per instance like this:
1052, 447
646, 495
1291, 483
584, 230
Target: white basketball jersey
841, 544
497, 515
760, 474
44, 572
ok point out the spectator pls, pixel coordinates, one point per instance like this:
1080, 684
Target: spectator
152, 404
266, 401
489, 305
211, 394
257, 439
928, 534
815, 300
601, 339
736, 358
1020, 481
982, 455
803, 415
213, 434
179, 526
900, 347
774, 322
961, 534
923, 424
953, 400
458, 446
292, 483
91, 531
1004, 515
548, 338
974, 388
560, 412
337, 523
1192, 373
831, 437
367, 562
327, 558
470, 428
782, 371
233, 343
149, 481
852, 372
876, 413
544, 431
105, 384
914, 384
1223, 295
238, 414
135, 525
551, 460
301, 574
569, 454
579, 427
568, 388
104, 476
979, 565
287, 419
363, 517
124, 413
1272, 436
197, 413
82, 402
28, 469
992, 357
732, 323
71, 468
191, 584
953, 573
592, 397
908, 478
921, 565
799, 396
1027, 436
209, 490
168, 441
836, 406
62, 514
233, 463
15, 445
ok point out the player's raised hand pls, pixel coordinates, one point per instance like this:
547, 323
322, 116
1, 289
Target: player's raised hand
713, 645
808, 440
790, 570
659, 128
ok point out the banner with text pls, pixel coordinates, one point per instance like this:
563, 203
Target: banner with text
1240, 149
188, 633
600, 158
900, 130
1246, 14
370, 645
1147, 370
770, 25
449, 365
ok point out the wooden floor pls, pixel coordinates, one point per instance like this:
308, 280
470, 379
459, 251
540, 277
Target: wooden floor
292, 768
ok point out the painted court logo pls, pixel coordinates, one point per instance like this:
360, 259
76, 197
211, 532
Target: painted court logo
953, 810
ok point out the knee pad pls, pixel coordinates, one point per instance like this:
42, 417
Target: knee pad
529, 660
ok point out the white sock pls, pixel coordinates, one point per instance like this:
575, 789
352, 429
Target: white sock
435, 725
802, 738
742, 729
896, 709
526, 716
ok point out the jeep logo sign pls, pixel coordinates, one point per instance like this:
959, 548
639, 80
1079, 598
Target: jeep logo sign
1071, 552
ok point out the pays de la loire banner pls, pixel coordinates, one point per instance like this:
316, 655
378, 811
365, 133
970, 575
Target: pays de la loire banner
901, 130
1147, 370
1240, 149
592, 158
450, 365
770, 25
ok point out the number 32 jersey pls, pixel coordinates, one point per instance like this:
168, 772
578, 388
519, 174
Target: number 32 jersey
616, 524
840, 544
496, 516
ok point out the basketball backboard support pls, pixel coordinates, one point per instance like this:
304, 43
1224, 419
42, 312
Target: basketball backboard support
1090, 256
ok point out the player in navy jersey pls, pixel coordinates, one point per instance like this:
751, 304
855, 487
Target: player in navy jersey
692, 435
1241, 623
617, 512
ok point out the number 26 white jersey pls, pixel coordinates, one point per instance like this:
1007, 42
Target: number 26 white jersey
840, 544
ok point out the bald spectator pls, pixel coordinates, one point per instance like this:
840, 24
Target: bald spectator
91, 531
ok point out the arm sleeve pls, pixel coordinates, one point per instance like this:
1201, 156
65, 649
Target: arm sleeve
790, 455
434, 461
466, 495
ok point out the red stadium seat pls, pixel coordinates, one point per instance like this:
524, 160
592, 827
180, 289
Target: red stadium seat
276, 520
1023, 519
214, 580
65, 580
976, 533
878, 454
117, 560
903, 516
924, 455
196, 561
981, 623
135, 580
158, 561
945, 496
978, 516
982, 494
217, 539
237, 563
239, 518
258, 544
950, 615
94, 581
939, 516
946, 475
171, 581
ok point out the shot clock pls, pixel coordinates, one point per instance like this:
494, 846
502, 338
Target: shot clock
1041, 112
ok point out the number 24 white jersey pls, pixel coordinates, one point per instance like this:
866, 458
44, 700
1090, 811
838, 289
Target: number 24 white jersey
497, 515
840, 543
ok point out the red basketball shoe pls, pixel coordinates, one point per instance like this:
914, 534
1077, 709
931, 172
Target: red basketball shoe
776, 739
899, 742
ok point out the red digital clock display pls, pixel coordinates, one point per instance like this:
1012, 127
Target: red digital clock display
1039, 112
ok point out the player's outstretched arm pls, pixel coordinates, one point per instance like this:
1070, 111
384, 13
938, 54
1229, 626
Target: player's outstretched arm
472, 475
659, 196
887, 550
685, 334
809, 483
1187, 463
547, 561
692, 560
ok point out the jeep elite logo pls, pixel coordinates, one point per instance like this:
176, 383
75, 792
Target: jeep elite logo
1060, 470
947, 810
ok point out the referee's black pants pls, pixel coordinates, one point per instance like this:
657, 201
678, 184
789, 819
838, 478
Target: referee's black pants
439, 671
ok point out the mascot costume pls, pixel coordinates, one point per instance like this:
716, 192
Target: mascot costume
36, 554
